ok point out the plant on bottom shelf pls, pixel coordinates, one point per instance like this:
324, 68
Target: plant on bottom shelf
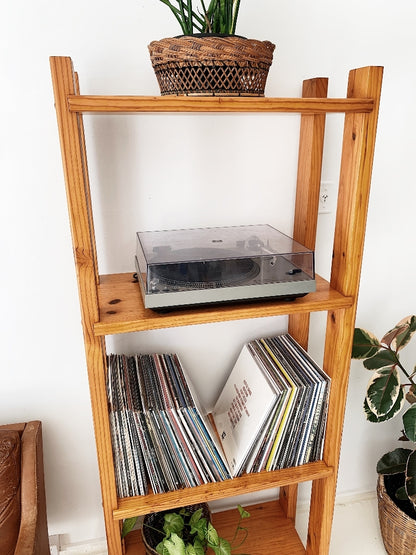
389, 390
219, 17
189, 532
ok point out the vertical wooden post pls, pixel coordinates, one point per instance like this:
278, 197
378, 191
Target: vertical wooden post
312, 131
354, 188
79, 204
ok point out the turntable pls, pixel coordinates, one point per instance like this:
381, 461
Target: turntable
186, 267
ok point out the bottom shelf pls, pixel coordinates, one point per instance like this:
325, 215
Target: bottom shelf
269, 532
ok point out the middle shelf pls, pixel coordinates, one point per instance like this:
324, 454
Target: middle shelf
121, 308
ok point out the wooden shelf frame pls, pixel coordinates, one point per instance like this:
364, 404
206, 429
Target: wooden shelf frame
111, 304
121, 307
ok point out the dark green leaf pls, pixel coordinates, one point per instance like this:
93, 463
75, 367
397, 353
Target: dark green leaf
394, 461
128, 525
383, 390
401, 494
409, 422
384, 357
411, 477
365, 344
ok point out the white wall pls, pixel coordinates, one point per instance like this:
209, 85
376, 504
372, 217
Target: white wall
239, 170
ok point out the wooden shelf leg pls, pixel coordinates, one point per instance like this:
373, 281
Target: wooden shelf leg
312, 131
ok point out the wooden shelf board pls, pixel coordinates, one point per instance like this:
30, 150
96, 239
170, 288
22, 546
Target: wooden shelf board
269, 531
141, 505
122, 310
127, 104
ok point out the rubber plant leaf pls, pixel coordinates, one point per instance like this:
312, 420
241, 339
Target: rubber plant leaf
384, 357
394, 461
397, 407
401, 494
411, 477
365, 344
383, 390
411, 395
409, 422
401, 334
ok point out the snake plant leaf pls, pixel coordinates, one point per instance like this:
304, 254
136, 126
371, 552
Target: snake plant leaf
384, 357
365, 344
401, 334
383, 390
411, 477
397, 407
394, 461
409, 422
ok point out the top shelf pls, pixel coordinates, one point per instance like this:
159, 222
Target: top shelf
128, 104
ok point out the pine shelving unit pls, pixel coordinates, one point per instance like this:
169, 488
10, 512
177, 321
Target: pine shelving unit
112, 304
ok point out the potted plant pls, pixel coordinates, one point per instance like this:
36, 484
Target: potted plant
392, 391
209, 58
187, 531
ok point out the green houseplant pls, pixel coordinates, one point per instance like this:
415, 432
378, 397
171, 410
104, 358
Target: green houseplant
391, 391
220, 16
187, 531
209, 58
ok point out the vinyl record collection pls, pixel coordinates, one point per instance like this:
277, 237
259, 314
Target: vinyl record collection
158, 431
270, 414
281, 421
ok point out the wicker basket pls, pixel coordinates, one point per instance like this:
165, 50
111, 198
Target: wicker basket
156, 520
211, 65
397, 528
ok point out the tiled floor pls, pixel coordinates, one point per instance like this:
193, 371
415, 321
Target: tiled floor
355, 531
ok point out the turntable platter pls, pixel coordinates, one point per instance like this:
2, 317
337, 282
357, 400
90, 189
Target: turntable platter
205, 273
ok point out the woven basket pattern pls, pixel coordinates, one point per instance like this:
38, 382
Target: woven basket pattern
222, 66
397, 528
152, 538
